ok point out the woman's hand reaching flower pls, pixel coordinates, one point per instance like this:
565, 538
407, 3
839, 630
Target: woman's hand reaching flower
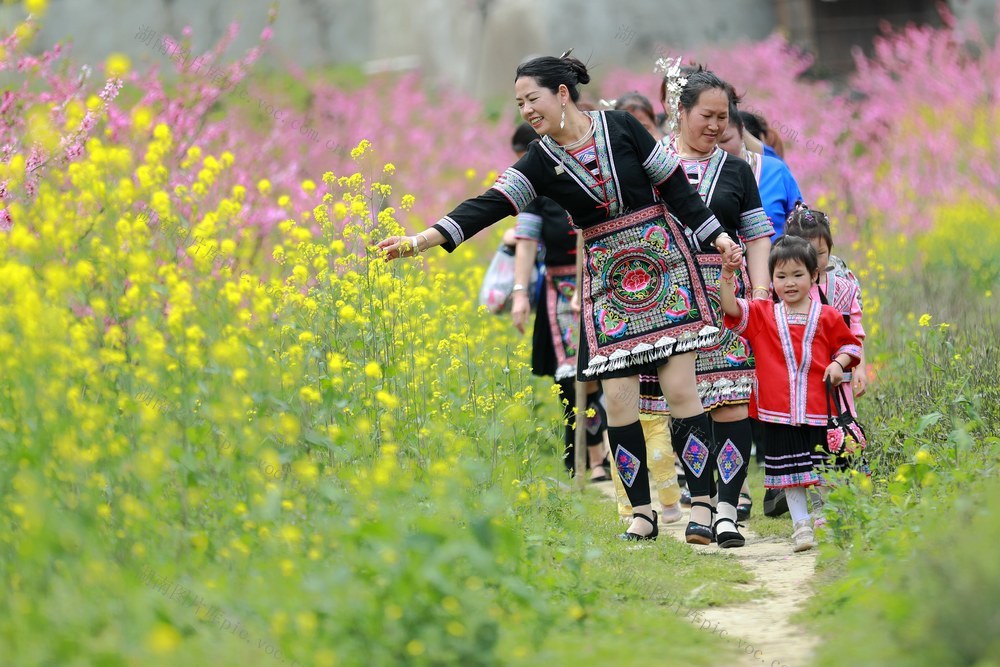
396, 247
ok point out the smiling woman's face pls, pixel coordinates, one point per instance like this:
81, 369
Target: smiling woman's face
704, 124
538, 105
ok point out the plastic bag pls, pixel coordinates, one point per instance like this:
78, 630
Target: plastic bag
498, 283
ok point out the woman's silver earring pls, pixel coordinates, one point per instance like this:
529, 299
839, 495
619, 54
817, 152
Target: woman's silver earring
562, 121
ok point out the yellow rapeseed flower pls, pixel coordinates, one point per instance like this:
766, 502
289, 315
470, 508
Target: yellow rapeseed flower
306, 622
360, 149
41, 131
163, 639
162, 132
386, 399
925, 320
26, 31
335, 361
117, 65
324, 658
36, 7
347, 313
310, 396
373, 370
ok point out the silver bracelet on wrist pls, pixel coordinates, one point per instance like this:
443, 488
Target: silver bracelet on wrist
416, 243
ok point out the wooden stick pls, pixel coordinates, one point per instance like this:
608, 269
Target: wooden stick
580, 458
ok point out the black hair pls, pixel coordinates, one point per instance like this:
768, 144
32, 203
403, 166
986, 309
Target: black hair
697, 83
792, 249
734, 97
735, 116
754, 124
685, 71
636, 100
551, 72
523, 136
808, 224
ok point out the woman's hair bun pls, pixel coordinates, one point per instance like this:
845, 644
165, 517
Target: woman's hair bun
582, 76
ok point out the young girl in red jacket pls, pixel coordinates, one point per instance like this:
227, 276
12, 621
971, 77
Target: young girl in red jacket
799, 344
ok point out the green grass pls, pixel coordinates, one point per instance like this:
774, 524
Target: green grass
641, 593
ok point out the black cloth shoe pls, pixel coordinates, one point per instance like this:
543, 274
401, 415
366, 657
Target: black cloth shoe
697, 533
728, 539
743, 509
775, 503
635, 537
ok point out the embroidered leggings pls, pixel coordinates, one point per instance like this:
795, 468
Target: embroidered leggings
660, 456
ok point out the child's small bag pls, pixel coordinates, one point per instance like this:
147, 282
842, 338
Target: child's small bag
843, 432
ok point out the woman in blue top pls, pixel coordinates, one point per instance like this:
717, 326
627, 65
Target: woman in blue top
778, 189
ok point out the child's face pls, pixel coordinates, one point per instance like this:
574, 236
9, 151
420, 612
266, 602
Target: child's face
822, 251
792, 282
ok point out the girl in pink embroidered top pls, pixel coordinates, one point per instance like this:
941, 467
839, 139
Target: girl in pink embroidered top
799, 344
838, 290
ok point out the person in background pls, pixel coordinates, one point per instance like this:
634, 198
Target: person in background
840, 290
778, 189
639, 106
757, 126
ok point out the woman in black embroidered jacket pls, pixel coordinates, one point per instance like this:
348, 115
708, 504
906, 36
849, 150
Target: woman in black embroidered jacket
643, 301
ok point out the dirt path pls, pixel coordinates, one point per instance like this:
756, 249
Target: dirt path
760, 629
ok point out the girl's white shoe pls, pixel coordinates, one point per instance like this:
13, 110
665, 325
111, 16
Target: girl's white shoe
803, 536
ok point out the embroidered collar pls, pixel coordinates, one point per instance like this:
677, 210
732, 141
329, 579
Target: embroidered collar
602, 188
798, 371
712, 165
